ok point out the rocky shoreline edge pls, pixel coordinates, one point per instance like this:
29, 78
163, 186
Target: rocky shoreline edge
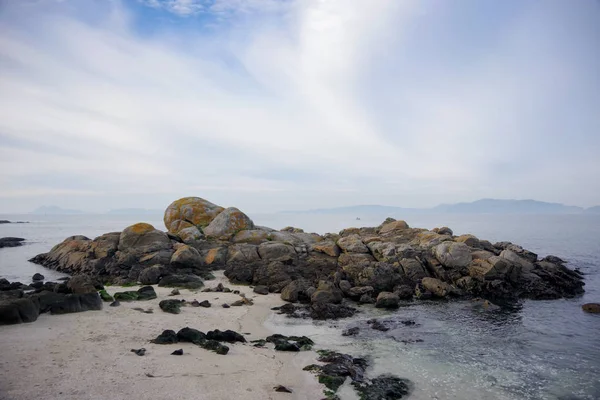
318, 276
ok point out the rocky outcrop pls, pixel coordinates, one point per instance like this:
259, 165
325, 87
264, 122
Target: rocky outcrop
357, 263
11, 242
188, 212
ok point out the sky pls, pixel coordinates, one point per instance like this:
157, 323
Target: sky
272, 105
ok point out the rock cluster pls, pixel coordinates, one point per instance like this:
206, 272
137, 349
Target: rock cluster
383, 265
21, 303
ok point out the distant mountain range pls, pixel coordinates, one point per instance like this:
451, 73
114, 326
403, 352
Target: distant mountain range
135, 211
54, 210
483, 206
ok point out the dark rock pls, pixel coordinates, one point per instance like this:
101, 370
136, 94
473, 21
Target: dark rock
16, 311
205, 304
83, 284
171, 306
404, 292
139, 352
181, 281
37, 285
591, 308
175, 292
115, 303
226, 336
290, 343
338, 367
190, 335
378, 325
323, 311
73, 303
151, 275
38, 277
177, 352
387, 300
366, 299
226, 306
11, 242
351, 331
282, 389
261, 289
167, 337
215, 346
143, 293
384, 387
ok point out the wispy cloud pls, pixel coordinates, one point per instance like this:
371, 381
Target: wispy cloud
311, 103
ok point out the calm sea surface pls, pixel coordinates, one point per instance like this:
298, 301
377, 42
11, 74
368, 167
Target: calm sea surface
537, 350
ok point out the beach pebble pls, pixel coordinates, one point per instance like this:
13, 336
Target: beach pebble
177, 352
283, 389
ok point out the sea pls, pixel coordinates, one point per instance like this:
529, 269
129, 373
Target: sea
447, 349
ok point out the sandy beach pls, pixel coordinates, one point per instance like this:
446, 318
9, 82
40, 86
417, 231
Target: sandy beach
87, 355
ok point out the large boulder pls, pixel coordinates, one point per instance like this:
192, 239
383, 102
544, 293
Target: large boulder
181, 281
453, 255
11, 242
151, 275
190, 211
469, 240
143, 238
275, 251
593, 308
326, 293
413, 269
186, 257
387, 300
494, 268
83, 284
16, 311
392, 226
229, 222
327, 247
436, 287
297, 290
252, 236
73, 303
352, 244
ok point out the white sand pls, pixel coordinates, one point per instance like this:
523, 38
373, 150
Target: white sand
87, 355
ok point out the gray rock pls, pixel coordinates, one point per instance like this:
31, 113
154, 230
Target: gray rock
453, 255
436, 287
181, 281
387, 300
228, 223
352, 244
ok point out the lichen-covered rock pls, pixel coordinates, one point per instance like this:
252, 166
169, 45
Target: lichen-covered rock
413, 269
436, 287
190, 211
143, 238
252, 236
229, 222
327, 247
393, 226
352, 244
187, 257
190, 235
453, 255
275, 251
593, 308
469, 240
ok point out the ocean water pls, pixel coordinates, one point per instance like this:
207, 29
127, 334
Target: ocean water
455, 350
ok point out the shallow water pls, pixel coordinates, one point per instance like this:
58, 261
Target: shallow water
539, 350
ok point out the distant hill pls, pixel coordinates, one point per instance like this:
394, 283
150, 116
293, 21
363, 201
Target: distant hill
54, 210
496, 206
358, 210
134, 211
593, 210
483, 206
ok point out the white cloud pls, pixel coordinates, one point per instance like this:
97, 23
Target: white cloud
326, 101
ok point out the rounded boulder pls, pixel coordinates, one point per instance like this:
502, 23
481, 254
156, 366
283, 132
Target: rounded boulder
190, 211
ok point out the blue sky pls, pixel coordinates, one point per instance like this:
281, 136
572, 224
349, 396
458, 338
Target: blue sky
272, 105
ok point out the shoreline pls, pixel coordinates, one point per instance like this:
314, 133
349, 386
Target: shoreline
87, 355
